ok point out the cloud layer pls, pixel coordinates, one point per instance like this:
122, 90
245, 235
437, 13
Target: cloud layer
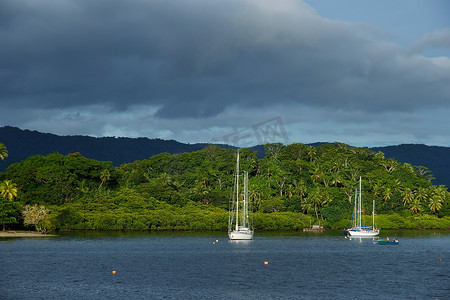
195, 69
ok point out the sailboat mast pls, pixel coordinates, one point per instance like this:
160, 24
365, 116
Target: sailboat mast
355, 211
373, 215
246, 198
237, 191
359, 202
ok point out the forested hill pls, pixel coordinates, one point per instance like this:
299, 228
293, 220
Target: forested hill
290, 188
22, 144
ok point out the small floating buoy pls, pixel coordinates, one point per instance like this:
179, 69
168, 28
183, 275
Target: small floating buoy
114, 272
217, 241
266, 262
440, 259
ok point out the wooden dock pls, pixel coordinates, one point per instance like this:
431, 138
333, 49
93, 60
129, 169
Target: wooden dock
314, 228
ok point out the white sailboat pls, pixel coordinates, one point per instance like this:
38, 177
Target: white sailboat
239, 222
357, 230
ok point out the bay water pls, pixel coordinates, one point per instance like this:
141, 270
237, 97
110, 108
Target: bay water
206, 265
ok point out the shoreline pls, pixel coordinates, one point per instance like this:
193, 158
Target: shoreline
6, 234
14, 234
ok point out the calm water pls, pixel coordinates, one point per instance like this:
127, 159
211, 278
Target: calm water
195, 266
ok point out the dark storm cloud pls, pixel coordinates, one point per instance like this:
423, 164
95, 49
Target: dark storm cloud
196, 58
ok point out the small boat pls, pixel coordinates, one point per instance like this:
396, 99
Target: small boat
386, 242
356, 229
239, 220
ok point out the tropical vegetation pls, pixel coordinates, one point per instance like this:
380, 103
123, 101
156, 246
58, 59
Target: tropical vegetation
292, 187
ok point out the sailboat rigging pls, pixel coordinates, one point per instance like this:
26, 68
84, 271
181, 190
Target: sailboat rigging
239, 221
356, 229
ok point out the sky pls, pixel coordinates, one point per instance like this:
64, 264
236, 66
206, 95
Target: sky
242, 72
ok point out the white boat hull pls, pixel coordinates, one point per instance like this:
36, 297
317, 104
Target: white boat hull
363, 233
240, 235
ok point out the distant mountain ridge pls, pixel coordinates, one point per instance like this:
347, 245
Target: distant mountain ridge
22, 144
435, 158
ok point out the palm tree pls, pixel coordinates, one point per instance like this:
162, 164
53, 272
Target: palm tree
254, 165
3, 152
421, 194
268, 174
311, 153
104, 176
337, 179
389, 165
407, 195
290, 189
440, 194
397, 185
387, 193
306, 205
255, 197
301, 190
415, 205
423, 171
316, 199
435, 203
317, 175
8, 190
378, 189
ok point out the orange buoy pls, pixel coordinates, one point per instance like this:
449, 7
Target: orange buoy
114, 272
266, 262
440, 259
